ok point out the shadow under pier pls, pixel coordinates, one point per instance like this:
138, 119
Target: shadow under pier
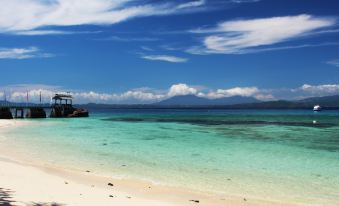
22, 112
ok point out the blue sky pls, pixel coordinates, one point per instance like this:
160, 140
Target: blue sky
129, 51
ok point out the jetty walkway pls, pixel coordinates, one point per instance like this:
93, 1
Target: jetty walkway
13, 110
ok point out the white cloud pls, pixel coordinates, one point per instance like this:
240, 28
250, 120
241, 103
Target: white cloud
132, 96
33, 95
129, 39
257, 50
143, 96
145, 48
26, 15
320, 89
42, 32
22, 53
265, 97
167, 58
51, 32
237, 36
18, 93
236, 91
170, 48
191, 4
244, 1
334, 62
181, 89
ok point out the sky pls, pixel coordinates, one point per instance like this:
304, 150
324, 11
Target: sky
144, 51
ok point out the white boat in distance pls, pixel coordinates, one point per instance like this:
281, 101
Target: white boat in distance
317, 108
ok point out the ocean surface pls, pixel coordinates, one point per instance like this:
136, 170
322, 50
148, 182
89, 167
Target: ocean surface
290, 155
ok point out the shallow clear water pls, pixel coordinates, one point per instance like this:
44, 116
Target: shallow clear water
274, 154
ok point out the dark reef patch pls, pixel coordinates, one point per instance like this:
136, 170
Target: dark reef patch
217, 122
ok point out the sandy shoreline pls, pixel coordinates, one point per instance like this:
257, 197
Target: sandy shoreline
22, 183
29, 185
9, 123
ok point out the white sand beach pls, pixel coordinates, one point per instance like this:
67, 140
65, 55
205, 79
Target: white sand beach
4, 123
27, 185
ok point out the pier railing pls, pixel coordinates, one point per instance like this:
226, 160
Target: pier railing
23, 105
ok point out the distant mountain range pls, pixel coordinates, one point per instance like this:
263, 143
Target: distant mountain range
193, 100
327, 101
235, 102
239, 101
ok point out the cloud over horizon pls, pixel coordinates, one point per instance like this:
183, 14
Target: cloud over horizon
18, 93
325, 89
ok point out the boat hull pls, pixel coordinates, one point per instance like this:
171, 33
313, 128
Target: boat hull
60, 112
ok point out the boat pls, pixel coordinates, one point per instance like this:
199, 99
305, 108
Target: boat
317, 108
63, 107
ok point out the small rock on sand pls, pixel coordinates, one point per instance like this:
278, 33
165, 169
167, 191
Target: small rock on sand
196, 201
110, 184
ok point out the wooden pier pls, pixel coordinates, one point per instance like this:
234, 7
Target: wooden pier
62, 107
19, 112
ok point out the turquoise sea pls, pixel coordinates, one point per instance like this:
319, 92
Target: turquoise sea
290, 155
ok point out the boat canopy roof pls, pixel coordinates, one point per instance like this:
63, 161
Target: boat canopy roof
62, 97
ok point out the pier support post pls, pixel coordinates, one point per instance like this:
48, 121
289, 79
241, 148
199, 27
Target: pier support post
37, 112
5, 113
21, 110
